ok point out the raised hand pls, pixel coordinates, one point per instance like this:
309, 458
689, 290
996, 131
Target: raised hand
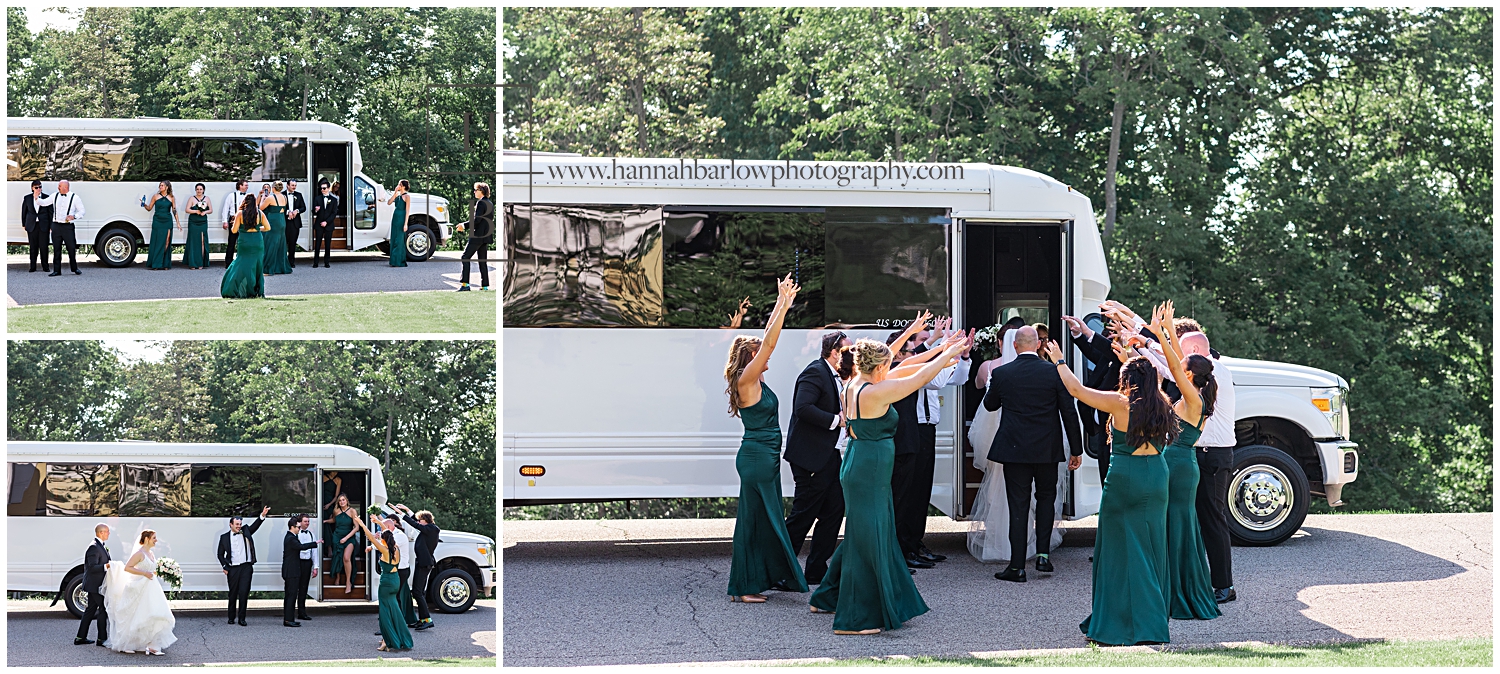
265, 511
970, 339
1075, 326
1053, 351
1121, 352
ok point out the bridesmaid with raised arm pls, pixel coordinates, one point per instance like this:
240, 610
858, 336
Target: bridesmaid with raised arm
163, 207
1130, 548
273, 204
398, 222
394, 635
763, 557
1190, 589
195, 254
868, 587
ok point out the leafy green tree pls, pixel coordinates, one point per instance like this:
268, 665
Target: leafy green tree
62, 390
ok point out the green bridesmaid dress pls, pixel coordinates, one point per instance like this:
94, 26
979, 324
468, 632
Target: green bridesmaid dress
763, 554
1189, 587
243, 279
275, 252
392, 624
398, 234
196, 254
342, 525
160, 251
867, 585
1130, 551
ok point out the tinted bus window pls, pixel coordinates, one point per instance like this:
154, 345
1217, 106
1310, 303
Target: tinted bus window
885, 265
83, 489
27, 497
583, 266
225, 491
144, 158
155, 490
289, 490
717, 258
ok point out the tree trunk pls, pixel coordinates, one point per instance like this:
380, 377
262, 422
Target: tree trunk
638, 82
1109, 169
390, 419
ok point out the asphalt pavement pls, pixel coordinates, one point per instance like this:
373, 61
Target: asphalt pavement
654, 591
40, 636
358, 272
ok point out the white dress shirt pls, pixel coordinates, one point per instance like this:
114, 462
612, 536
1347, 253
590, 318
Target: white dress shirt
239, 550
403, 543
304, 537
929, 406
837, 381
70, 204
232, 207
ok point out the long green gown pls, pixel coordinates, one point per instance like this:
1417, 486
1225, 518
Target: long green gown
1189, 587
195, 254
244, 277
342, 525
160, 251
276, 261
1130, 550
867, 585
392, 625
398, 234
762, 554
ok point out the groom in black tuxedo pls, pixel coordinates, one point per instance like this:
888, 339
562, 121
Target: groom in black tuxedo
94, 561
237, 556
1029, 443
812, 450
291, 569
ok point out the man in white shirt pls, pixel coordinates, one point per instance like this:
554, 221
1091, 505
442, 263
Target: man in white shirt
308, 571
911, 507
67, 208
237, 556
230, 210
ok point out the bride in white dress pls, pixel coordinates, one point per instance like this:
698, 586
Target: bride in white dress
990, 512
139, 616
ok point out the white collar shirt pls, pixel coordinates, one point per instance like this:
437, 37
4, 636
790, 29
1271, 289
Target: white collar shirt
239, 548
305, 537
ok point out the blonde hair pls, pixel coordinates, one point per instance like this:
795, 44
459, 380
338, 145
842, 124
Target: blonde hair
741, 352
278, 186
870, 354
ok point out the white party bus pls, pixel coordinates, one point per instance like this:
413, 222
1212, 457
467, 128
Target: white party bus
112, 163
187, 493
621, 274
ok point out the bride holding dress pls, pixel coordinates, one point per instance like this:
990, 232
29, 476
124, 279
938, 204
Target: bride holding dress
990, 512
139, 616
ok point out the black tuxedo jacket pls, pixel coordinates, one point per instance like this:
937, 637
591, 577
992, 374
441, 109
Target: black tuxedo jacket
1104, 377
248, 530
1035, 402
291, 555
30, 218
810, 445
299, 205
94, 560
482, 223
328, 209
426, 542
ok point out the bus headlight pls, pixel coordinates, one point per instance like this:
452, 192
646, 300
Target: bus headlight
1330, 401
487, 551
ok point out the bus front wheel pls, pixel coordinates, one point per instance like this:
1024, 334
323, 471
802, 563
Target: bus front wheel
74, 597
116, 247
419, 243
1268, 496
453, 591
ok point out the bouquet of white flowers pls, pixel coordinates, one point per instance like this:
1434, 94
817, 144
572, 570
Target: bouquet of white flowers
169, 572
986, 346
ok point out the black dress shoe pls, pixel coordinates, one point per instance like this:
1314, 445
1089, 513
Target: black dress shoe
243, 623
1224, 596
1043, 565
915, 562
781, 586
56, 273
1012, 575
101, 642
304, 617
231, 621
930, 555
31, 270
290, 623
79, 641
78, 273
424, 625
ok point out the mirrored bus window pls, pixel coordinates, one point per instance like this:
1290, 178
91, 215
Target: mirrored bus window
716, 258
155, 490
884, 265
225, 491
27, 497
583, 266
83, 489
181, 159
289, 490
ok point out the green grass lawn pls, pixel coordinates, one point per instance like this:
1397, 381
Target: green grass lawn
433, 311
1452, 653
380, 662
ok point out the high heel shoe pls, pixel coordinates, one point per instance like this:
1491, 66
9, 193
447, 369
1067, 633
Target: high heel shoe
869, 631
749, 599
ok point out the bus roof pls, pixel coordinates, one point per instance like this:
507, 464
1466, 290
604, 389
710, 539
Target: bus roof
186, 127
188, 452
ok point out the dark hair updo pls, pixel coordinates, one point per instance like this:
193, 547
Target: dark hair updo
1202, 371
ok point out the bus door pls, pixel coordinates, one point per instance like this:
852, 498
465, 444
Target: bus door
1010, 270
365, 201
331, 162
332, 570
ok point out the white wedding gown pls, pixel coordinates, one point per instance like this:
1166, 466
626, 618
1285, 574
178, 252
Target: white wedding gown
139, 615
991, 512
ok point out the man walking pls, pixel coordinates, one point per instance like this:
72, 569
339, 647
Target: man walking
231, 209
293, 221
95, 560
427, 533
325, 209
813, 454
481, 227
305, 565
292, 548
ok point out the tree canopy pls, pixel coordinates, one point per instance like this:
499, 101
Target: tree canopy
1313, 185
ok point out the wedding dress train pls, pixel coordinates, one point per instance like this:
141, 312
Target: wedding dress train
139, 615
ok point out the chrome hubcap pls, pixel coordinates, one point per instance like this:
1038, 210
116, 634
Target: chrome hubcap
454, 592
81, 598
417, 244
1259, 497
116, 248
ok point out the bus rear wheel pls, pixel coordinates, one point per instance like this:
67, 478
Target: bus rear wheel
453, 591
116, 247
74, 597
419, 243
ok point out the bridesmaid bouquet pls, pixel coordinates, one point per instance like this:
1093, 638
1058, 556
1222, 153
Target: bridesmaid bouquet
169, 572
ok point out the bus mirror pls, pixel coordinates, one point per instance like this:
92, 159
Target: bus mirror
369, 199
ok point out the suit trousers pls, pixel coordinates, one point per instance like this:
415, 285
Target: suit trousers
1215, 469
229, 247
481, 248
322, 239
911, 505
64, 236
239, 589
293, 231
37, 238
403, 596
818, 497
289, 586
419, 579
901, 470
95, 611
1019, 478
1099, 443
304, 578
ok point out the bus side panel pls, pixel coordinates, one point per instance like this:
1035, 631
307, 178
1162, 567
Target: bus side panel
109, 202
